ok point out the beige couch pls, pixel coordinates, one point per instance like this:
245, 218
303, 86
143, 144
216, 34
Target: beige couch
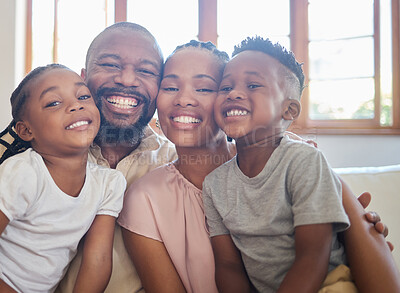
384, 185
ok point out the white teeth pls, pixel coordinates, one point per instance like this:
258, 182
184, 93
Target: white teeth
123, 103
77, 124
186, 119
236, 113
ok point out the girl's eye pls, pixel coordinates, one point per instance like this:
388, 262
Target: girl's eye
84, 97
254, 86
205, 90
52, 104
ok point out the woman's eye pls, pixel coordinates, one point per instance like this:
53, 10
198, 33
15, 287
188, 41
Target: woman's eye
84, 97
205, 90
52, 104
170, 89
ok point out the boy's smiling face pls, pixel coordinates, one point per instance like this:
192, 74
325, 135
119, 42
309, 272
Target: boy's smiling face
251, 98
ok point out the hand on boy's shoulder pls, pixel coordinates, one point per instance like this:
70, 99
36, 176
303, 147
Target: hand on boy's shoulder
294, 136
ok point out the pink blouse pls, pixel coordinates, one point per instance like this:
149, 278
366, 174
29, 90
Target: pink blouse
165, 206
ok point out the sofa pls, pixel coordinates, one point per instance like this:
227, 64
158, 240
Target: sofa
384, 185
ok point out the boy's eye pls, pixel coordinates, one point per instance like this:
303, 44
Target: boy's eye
52, 104
225, 89
84, 97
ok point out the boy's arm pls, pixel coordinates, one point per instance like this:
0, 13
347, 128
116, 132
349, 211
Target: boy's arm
370, 259
95, 270
230, 274
153, 264
313, 245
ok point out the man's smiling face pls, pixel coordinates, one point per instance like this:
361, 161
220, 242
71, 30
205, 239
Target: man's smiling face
123, 73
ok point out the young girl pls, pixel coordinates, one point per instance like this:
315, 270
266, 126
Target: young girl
50, 195
163, 217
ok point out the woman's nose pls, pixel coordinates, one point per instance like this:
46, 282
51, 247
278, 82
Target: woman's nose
186, 97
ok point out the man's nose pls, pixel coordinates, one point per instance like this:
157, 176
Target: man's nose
127, 77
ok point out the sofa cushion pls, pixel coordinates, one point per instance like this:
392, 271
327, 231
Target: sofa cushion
384, 185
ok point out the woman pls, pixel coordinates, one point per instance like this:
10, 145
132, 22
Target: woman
163, 220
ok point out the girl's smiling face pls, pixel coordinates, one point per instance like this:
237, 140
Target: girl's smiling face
60, 115
185, 102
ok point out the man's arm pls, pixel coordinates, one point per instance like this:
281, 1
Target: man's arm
313, 245
153, 264
4, 288
370, 259
96, 267
3, 222
230, 274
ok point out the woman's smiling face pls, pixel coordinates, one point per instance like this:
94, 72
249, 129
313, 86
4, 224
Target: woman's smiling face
185, 102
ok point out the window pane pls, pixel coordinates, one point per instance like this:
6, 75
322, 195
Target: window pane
42, 32
241, 19
333, 19
172, 22
342, 99
76, 31
342, 59
386, 71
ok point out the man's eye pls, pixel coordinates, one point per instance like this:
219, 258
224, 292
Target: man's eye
84, 97
109, 65
52, 104
147, 72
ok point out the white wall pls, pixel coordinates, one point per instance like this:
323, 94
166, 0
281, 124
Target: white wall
12, 59
360, 150
341, 151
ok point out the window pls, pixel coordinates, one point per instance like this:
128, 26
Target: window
350, 48
350, 58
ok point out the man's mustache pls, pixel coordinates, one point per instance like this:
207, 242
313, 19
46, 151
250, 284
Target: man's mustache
110, 91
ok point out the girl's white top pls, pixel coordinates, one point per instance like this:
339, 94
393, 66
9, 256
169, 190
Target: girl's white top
46, 224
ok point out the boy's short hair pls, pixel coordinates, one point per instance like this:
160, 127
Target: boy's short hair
276, 51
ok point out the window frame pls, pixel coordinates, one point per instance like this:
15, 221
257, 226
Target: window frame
207, 31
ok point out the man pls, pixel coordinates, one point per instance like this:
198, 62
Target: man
123, 72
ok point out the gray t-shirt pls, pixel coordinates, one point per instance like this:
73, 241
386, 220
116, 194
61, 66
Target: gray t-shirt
296, 187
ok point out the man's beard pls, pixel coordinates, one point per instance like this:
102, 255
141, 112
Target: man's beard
113, 135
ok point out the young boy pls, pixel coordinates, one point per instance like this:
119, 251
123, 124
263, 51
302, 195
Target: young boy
277, 205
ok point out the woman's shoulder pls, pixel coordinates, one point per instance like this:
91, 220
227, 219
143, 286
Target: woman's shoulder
164, 185
156, 181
